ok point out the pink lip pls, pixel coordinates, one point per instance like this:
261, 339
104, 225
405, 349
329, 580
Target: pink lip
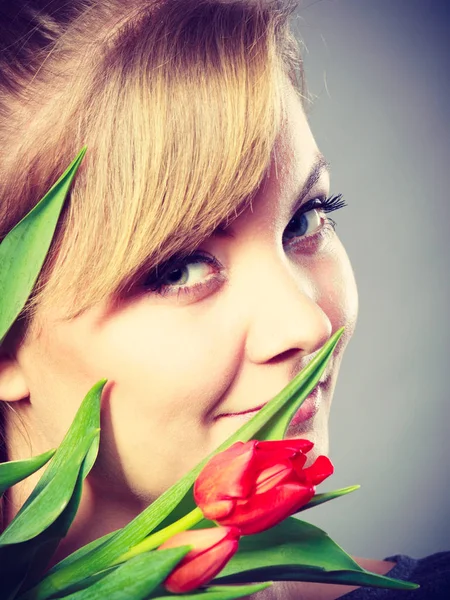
307, 410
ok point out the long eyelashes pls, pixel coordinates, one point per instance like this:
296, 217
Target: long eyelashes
325, 205
333, 203
154, 281
295, 234
330, 204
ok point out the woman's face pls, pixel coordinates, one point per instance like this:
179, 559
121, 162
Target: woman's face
223, 334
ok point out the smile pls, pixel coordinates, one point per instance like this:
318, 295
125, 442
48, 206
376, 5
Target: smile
307, 410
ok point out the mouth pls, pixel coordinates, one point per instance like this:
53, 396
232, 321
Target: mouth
304, 416
249, 411
307, 411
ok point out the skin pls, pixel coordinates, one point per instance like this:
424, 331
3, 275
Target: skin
178, 360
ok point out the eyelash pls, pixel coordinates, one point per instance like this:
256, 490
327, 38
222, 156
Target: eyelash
326, 205
154, 283
323, 205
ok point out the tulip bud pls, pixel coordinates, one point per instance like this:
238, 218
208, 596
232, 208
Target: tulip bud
213, 548
255, 485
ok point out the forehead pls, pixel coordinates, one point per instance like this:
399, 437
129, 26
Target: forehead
295, 152
297, 167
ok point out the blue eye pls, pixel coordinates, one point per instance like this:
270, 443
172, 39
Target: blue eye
194, 274
310, 217
190, 273
303, 223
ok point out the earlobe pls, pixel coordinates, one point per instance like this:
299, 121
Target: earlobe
12, 382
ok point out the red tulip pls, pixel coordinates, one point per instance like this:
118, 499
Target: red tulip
255, 485
213, 548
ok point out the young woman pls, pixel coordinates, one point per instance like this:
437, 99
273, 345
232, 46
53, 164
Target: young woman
195, 266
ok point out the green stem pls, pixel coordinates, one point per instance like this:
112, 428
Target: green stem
153, 541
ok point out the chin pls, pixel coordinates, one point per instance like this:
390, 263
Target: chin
316, 431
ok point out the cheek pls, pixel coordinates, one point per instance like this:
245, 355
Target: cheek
336, 288
161, 360
168, 368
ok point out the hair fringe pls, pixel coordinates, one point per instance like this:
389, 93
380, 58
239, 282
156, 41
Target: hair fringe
157, 95
179, 103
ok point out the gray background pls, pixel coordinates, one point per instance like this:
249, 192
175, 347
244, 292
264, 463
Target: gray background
380, 71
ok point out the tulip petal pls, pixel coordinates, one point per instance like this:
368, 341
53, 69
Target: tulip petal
219, 509
266, 478
272, 476
295, 444
212, 549
262, 511
319, 470
265, 459
227, 475
298, 462
201, 569
201, 539
278, 450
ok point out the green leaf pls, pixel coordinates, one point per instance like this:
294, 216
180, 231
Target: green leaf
327, 496
290, 542
177, 501
16, 470
298, 551
218, 592
55, 488
84, 550
299, 573
48, 541
22, 564
135, 579
23, 250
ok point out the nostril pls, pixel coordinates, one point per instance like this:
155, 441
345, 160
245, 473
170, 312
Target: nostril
286, 355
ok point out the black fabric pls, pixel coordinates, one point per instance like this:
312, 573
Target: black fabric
432, 573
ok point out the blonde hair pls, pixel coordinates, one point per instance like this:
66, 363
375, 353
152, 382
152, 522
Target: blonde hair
179, 103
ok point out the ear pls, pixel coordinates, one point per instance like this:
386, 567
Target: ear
12, 382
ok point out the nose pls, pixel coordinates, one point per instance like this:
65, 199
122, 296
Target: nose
285, 317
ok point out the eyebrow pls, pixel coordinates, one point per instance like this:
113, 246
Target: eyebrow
320, 166
223, 231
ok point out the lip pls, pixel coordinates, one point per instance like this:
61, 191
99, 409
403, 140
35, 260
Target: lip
244, 412
306, 412
310, 404
309, 407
